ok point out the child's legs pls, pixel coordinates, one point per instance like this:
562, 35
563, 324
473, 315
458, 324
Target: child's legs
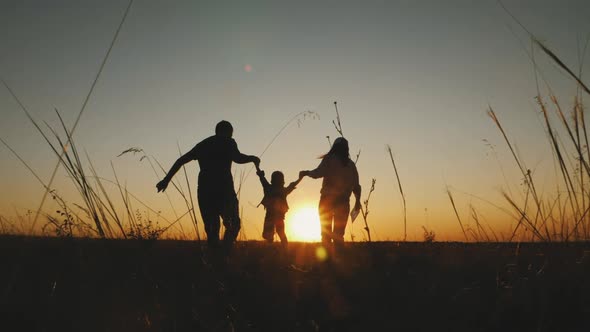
268, 230
280, 227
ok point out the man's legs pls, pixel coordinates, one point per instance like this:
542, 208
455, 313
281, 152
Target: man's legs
231, 219
210, 214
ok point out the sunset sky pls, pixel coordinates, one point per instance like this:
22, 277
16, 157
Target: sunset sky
417, 75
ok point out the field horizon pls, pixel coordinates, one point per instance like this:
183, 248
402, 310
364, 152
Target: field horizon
176, 285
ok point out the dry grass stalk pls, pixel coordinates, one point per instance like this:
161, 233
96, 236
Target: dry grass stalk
71, 132
573, 174
242, 179
365, 209
562, 65
400, 190
188, 203
337, 123
480, 229
526, 222
546, 50
457, 214
144, 156
526, 173
190, 207
300, 118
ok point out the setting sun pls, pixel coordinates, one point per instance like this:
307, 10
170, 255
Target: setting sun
303, 224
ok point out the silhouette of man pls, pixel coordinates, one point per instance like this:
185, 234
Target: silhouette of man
215, 192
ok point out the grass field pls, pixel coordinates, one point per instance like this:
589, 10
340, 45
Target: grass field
109, 268
57, 284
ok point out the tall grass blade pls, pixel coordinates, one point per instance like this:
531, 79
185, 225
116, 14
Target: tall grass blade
562, 65
71, 132
190, 207
457, 214
401, 190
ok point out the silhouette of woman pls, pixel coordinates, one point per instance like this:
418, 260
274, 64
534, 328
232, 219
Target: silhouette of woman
340, 180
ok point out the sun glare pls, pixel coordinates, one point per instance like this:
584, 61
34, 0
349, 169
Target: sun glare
303, 224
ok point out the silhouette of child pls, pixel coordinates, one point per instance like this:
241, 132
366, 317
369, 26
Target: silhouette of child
275, 203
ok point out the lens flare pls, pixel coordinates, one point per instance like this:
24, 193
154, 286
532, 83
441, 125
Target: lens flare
321, 254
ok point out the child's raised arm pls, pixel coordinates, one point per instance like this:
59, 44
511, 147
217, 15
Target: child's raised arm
263, 180
294, 184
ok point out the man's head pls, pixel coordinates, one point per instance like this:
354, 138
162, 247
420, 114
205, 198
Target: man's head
224, 128
277, 178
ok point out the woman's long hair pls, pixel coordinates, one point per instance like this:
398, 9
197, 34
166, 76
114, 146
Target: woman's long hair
340, 150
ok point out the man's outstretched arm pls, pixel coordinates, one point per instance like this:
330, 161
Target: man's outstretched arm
241, 158
162, 185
